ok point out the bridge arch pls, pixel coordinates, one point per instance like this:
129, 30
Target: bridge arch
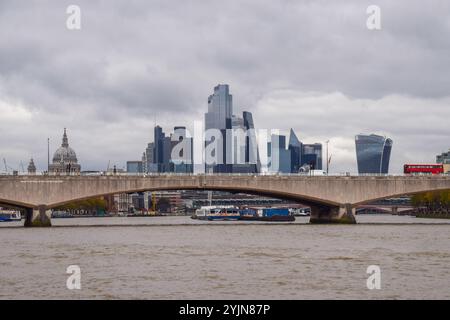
399, 195
16, 204
304, 199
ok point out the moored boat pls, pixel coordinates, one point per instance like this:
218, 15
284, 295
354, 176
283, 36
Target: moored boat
231, 213
266, 214
61, 214
215, 213
301, 212
277, 218
10, 215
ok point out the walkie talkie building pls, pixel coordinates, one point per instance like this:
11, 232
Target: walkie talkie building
373, 153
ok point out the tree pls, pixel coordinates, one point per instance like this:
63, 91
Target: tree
92, 205
435, 202
163, 205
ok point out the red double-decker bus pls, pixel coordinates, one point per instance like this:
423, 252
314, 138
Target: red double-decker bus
423, 169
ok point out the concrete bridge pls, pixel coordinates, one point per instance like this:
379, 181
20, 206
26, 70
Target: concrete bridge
332, 198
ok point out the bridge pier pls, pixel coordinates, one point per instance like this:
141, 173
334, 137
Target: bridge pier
38, 217
344, 214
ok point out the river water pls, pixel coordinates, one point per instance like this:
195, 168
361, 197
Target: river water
180, 258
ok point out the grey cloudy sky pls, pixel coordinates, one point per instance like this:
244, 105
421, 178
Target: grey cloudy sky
310, 65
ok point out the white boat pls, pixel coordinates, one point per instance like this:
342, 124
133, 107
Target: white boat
217, 213
300, 212
10, 215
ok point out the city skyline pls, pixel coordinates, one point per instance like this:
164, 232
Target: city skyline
159, 132
51, 78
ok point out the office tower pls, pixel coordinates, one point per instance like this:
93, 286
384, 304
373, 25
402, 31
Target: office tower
373, 153
311, 155
237, 122
251, 145
219, 116
162, 148
444, 158
245, 148
167, 150
295, 146
134, 167
239, 150
144, 162
220, 108
150, 166
386, 156
238, 137
158, 153
279, 157
181, 159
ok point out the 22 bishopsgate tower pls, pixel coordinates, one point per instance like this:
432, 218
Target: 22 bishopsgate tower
219, 115
230, 154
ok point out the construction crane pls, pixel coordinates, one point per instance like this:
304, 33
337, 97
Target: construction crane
8, 167
22, 166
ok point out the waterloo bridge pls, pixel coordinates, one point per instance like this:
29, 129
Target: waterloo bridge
332, 199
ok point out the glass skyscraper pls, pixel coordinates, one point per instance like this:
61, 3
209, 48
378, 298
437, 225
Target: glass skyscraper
251, 146
219, 116
312, 155
373, 153
220, 108
134, 166
158, 154
443, 158
148, 159
295, 146
239, 150
182, 147
279, 157
245, 150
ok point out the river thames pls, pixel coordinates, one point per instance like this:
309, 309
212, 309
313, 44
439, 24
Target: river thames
180, 258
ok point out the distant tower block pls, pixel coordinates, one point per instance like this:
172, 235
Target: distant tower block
31, 167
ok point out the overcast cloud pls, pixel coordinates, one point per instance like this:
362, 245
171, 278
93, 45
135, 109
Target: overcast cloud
309, 65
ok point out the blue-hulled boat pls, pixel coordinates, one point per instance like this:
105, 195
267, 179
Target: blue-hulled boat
9, 215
